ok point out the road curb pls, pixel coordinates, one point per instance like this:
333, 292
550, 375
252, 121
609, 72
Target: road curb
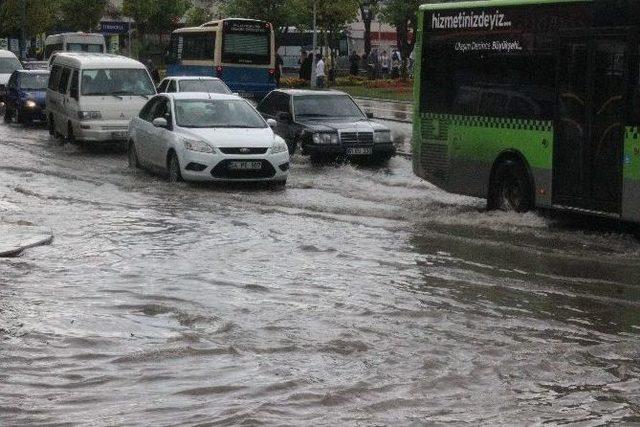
16, 239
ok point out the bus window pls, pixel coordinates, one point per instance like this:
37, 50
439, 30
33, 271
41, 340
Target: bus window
246, 43
194, 46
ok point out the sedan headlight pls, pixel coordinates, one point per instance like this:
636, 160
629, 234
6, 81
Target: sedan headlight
279, 147
325, 138
197, 145
89, 115
382, 136
31, 104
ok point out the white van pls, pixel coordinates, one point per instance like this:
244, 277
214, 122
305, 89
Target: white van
92, 97
74, 42
8, 64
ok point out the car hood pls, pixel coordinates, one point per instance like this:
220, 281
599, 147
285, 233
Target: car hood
4, 78
341, 125
232, 137
114, 108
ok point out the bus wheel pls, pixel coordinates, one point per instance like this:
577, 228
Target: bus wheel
510, 188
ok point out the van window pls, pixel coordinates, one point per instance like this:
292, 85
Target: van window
119, 81
54, 78
74, 91
64, 80
85, 47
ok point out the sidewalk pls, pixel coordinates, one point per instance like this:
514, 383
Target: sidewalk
14, 239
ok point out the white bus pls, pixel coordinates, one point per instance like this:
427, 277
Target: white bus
74, 42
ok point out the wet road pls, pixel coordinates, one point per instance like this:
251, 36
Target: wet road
357, 296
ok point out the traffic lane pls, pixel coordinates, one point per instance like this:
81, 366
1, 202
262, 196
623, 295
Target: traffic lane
358, 287
388, 110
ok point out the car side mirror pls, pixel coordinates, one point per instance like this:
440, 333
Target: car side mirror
160, 122
284, 117
370, 115
272, 123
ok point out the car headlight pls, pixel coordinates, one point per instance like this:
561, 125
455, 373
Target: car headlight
279, 147
89, 115
31, 104
381, 136
197, 145
325, 138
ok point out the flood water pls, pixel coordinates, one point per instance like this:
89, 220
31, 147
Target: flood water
357, 296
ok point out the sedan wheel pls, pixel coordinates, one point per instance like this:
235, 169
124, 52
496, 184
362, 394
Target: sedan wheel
174, 169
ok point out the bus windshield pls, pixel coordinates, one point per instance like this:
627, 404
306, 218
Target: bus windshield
246, 42
85, 47
117, 82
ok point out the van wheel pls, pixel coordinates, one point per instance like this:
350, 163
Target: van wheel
174, 168
134, 163
510, 188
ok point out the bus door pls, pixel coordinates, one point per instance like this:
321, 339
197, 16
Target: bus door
589, 125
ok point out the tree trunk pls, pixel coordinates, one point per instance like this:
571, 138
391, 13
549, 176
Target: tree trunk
366, 19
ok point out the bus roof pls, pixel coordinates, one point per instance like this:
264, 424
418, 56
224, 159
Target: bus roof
493, 3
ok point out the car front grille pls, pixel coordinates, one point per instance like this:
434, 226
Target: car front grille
243, 150
356, 137
115, 128
222, 170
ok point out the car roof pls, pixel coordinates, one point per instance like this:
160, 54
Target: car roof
201, 95
7, 54
32, 71
192, 78
100, 60
298, 92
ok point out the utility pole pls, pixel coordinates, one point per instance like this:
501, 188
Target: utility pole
314, 76
23, 23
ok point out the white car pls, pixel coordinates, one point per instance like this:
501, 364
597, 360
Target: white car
193, 84
207, 137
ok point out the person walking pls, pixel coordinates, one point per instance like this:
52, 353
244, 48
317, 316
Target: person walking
320, 73
354, 61
306, 66
385, 64
301, 61
278, 71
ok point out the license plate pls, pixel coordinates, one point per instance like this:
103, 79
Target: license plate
120, 135
359, 151
245, 166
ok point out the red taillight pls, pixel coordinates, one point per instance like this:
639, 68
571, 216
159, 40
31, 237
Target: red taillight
219, 71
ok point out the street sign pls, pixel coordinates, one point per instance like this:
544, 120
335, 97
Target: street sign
114, 27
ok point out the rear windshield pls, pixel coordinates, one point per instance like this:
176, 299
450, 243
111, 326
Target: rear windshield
246, 43
117, 82
9, 65
85, 47
211, 86
34, 81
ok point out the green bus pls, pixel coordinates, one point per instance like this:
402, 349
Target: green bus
531, 103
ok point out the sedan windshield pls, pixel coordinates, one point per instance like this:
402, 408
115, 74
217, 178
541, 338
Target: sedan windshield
34, 81
117, 82
9, 65
321, 106
206, 113
210, 86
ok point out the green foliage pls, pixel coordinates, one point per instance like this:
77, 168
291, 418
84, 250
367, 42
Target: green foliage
279, 12
197, 16
156, 16
82, 15
40, 16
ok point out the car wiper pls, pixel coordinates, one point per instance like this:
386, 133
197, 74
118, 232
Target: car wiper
122, 92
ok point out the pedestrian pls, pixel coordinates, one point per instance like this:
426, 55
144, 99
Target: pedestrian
153, 71
385, 63
396, 61
279, 67
354, 61
320, 74
307, 65
301, 61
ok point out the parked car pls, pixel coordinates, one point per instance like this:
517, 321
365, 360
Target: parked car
26, 96
8, 64
193, 84
207, 137
92, 97
326, 124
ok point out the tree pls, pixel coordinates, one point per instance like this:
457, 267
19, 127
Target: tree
278, 12
368, 10
403, 15
154, 16
82, 15
40, 16
197, 16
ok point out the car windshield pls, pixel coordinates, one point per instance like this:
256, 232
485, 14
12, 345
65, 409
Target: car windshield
211, 86
34, 81
9, 65
322, 106
207, 113
119, 81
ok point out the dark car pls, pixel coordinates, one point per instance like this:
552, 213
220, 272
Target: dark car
25, 98
326, 124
